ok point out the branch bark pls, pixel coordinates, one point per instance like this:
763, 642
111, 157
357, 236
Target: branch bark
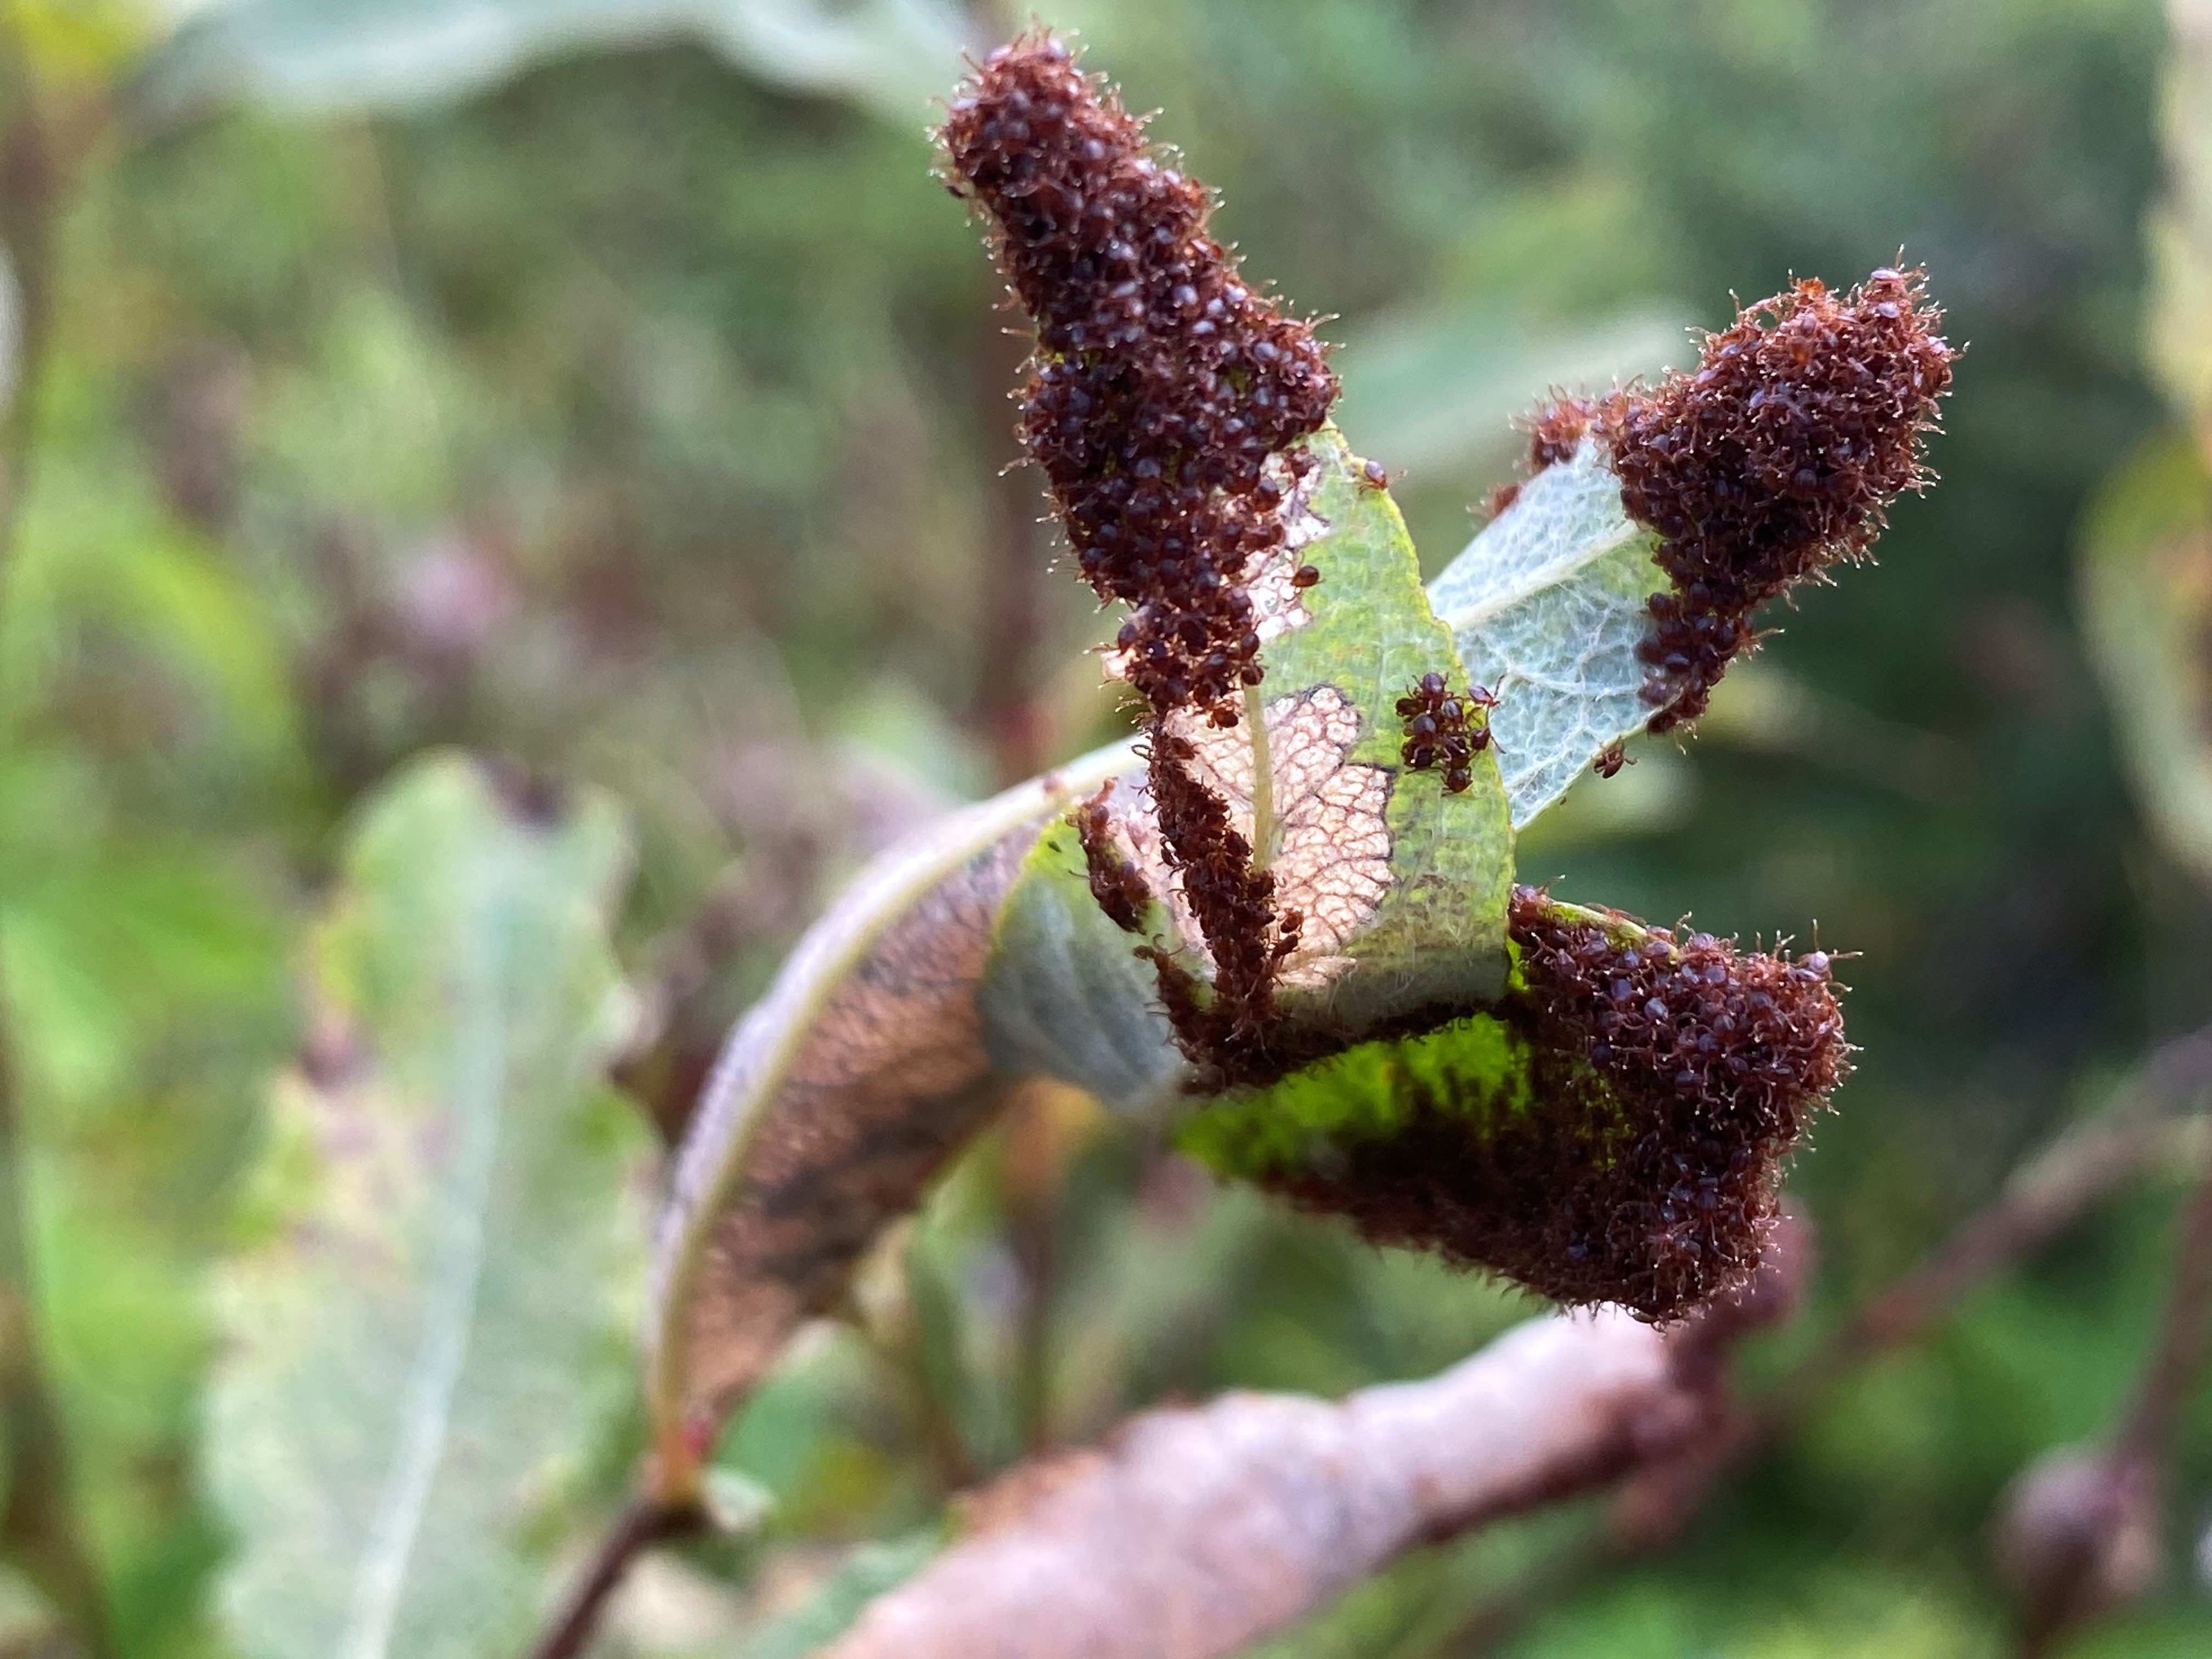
1194, 1532
2153, 1118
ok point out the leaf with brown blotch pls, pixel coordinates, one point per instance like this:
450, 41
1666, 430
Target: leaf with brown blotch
835, 1102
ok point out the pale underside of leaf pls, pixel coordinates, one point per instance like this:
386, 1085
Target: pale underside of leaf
1547, 605
1064, 993
411, 1366
836, 1099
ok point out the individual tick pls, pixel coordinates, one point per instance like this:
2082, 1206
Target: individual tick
1115, 884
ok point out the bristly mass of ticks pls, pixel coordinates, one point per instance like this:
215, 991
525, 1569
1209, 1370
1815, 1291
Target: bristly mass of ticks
1439, 732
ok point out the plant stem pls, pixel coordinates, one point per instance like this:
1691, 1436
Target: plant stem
37, 1524
644, 1520
2069, 1588
1263, 780
2171, 1378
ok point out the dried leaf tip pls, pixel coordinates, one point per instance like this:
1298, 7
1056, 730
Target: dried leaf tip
1163, 384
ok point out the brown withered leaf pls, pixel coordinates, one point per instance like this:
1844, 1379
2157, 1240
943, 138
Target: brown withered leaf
836, 1100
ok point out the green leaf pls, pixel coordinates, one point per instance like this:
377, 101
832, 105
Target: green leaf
1478, 1065
1435, 934
315, 57
1436, 392
1065, 994
103, 579
2146, 602
1402, 885
429, 1335
1548, 606
836, 1100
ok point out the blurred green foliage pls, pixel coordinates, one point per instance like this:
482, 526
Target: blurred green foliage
640, 416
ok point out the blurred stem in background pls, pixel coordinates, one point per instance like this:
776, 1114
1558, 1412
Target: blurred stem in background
38, 1522
2083, 1531
1010, 714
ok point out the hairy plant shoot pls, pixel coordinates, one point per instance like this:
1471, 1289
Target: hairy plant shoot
1612, 1126
1164, 397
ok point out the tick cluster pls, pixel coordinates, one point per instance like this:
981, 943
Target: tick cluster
1717, 1057
1774, 460
1672, 1078
1165, 398
1117, 887
1163, 384
1439, 734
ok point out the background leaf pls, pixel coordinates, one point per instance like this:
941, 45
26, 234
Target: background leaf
1436, 393
2147, 600
428, 1335
314, 56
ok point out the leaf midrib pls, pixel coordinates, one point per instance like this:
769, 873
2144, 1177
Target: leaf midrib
1544, 576
457, 1275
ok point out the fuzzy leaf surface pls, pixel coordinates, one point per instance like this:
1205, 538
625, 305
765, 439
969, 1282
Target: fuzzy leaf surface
428, 1335
1547, 605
